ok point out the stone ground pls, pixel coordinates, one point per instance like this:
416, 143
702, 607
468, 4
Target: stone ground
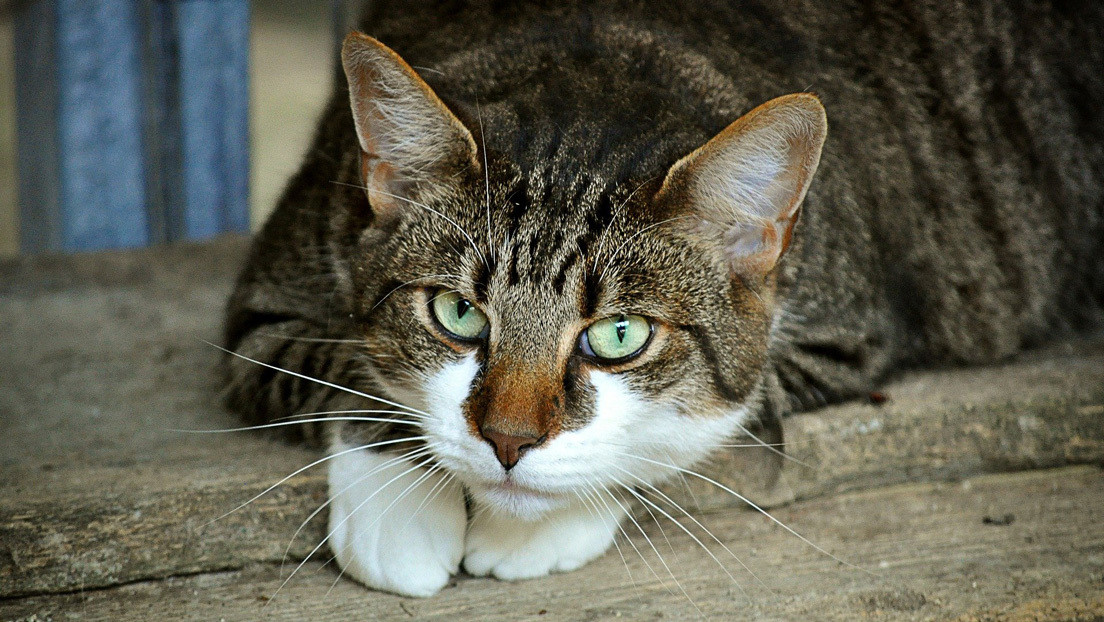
968, 495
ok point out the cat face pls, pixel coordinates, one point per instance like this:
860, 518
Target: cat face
565, 336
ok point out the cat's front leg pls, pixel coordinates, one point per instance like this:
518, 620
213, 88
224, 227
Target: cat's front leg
394, 525
510, 548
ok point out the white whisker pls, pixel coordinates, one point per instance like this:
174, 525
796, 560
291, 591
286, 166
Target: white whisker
705, 548
486, 176
409, 489
342, 522
306, 339
656, 551
349, 412
314, 464
595, 514
410, 282
319, 381
596, 494
301, 422
633, 237
750, 503
414, 453
613, 217
664, 497
433, 211
773, 447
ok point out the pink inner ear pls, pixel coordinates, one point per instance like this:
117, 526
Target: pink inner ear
753, 248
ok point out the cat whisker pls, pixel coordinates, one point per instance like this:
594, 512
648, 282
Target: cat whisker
656, 520
664, 497
633, 237
410, 282
597, 493
402, 495
320, 381
311, 465
658, 524
344, 520
654, 549
486, 175
441, 484
595, 513
432, 211
350, 412
750, 503
685, 483
596, 499
299, 422
413, 486
306, 339
687, 531
773, 447
414, 453
613, 217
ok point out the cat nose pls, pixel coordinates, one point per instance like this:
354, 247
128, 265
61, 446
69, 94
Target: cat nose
508, 447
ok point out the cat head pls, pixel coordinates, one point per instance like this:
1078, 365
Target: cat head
562, 330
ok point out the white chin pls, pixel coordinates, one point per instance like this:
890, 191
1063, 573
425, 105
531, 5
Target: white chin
520, 503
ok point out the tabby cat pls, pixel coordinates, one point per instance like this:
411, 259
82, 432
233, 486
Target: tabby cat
557, 250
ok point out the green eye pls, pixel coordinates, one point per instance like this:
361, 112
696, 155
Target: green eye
616, 337
458, 315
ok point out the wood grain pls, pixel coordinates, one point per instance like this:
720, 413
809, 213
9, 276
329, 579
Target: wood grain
922, 551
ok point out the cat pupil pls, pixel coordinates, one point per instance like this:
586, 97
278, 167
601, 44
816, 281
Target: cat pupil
621, 326
462, 307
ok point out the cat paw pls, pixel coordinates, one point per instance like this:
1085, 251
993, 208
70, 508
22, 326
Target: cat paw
509, 548
393, 527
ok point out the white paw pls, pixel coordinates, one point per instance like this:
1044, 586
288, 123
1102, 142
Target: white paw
392, 526
510, 548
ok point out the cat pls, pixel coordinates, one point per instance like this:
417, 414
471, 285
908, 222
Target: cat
539, 254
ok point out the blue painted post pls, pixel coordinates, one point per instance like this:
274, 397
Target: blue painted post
133, 121
95, 132
213, 39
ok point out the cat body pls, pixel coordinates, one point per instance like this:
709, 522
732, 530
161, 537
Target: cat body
553, 254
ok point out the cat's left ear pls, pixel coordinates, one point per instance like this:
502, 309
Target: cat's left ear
407, 135
745, 186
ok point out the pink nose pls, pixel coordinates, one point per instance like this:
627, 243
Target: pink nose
509, 448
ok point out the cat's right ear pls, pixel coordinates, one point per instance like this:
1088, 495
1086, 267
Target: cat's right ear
742, 190
407, 135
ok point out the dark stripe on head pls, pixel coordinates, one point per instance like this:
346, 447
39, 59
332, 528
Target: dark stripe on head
513, 277
591, 291
482, 277
720, 383
561, 275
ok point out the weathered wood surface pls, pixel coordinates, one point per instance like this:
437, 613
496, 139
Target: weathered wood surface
102, 358
924, 552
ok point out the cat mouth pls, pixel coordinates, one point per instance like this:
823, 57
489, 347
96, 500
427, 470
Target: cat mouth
510, 486
518, 499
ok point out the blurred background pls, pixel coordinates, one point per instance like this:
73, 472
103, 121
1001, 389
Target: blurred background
291, 47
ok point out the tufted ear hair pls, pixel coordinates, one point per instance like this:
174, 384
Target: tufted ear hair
407, 135
745, 186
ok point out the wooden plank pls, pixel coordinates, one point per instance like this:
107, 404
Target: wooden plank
921, 552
